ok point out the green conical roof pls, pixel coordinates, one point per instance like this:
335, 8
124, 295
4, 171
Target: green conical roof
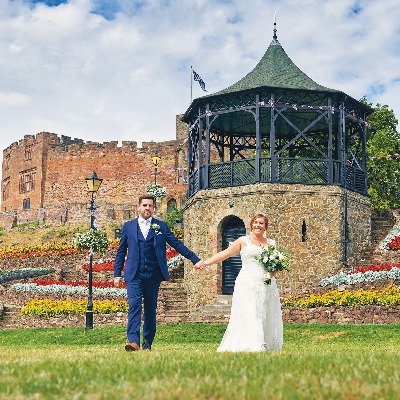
277, 70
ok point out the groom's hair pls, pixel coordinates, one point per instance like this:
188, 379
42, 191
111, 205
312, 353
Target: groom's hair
146, 197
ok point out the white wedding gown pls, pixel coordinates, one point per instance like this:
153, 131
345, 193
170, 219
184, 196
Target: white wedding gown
255, 323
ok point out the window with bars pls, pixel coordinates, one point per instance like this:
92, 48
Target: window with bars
27, 181
182, 175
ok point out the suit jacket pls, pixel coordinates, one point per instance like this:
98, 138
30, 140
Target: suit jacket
129, 244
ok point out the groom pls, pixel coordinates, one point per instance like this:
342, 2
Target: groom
144, 239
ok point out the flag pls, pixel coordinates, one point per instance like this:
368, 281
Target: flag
197, 78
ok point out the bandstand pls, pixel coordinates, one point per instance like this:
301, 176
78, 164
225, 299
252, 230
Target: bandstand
278, 141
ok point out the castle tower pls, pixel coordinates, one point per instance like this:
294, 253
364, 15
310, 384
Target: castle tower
288, 147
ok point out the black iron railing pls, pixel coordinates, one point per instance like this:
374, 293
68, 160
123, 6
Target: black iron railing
286, 170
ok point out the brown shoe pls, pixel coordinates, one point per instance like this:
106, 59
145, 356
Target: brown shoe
132, 347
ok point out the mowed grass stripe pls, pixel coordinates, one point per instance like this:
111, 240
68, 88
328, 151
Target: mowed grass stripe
318, 362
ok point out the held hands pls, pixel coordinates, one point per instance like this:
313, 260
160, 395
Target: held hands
200, 265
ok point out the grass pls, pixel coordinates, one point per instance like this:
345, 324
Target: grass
318, 362
30, 233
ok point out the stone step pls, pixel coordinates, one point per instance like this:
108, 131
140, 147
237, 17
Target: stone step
223, 299
215, 308
176, 312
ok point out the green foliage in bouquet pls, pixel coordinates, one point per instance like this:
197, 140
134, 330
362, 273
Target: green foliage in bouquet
92, 239
273, 260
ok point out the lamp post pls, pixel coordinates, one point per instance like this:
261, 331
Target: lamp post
156, 160
93, 184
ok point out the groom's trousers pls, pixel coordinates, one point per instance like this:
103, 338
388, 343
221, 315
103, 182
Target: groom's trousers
144, 285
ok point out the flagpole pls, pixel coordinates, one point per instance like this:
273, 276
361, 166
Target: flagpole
191, 83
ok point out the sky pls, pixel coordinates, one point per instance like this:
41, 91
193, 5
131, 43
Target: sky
103, 70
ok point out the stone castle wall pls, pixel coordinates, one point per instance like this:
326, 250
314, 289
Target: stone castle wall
287, 206
61, 165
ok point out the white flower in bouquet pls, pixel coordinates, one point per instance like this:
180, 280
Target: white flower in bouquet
272, 260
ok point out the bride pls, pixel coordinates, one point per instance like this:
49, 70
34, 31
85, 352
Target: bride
255, 323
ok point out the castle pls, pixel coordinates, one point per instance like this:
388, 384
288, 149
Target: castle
43, 177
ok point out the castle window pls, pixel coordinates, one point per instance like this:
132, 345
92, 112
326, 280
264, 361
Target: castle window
171, 205
26, 204
27, 181
182, 175
6, 189
28, 153
304, 231
111, 213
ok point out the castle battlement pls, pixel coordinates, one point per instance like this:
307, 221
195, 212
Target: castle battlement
48, 171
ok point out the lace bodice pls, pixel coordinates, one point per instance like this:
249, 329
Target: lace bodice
253, 270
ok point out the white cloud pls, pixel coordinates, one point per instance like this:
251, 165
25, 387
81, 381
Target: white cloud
120, 70
13, 99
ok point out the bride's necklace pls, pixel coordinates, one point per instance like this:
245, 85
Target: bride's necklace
255, 241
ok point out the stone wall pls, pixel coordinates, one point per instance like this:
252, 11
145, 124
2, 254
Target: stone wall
359, 220
287, 206
126, 171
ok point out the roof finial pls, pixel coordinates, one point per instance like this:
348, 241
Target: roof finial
275, 37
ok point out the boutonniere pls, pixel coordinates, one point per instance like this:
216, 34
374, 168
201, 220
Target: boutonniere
156, 229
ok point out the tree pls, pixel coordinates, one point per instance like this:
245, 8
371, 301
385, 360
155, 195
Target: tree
383, 149
172, 217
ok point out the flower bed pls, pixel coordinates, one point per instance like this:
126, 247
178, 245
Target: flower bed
99, 284
390, 296
173, 259
47, 250
375, 268
68, 289
13, 275
364, 274
50, 308
392, 240
100, 267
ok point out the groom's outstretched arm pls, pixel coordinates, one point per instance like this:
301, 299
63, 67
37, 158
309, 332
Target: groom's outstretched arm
174, 242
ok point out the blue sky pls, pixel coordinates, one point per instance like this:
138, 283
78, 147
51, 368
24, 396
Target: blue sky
120, 69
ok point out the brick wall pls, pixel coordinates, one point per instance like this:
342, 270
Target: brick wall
125, 170
61, 165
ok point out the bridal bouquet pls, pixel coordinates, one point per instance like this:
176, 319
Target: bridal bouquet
272, 260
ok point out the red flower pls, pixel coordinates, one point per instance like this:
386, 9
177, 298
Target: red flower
375, 268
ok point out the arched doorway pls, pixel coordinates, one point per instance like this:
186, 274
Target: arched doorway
231, 230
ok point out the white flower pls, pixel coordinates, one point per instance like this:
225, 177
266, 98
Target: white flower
156, 190
369, 276
67, 289
175, 261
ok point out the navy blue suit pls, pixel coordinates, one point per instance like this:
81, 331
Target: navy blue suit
145, 268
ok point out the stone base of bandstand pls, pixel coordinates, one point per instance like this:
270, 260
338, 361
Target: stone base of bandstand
307, 221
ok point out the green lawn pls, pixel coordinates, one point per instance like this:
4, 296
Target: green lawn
318, 362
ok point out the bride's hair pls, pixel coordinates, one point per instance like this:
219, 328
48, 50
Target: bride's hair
259, 214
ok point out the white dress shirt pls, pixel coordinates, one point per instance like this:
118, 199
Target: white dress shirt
144, 225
